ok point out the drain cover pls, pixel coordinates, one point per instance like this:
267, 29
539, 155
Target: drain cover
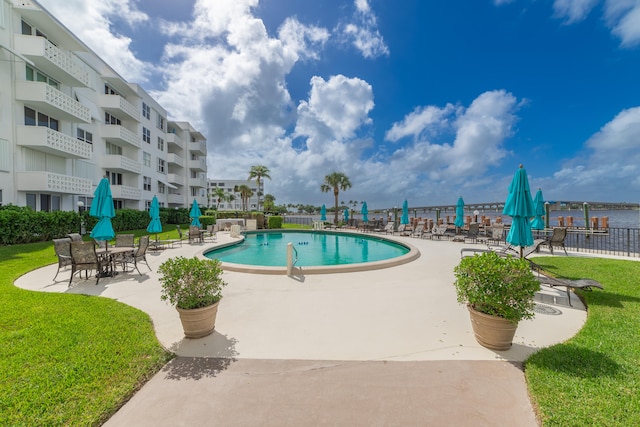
545, 309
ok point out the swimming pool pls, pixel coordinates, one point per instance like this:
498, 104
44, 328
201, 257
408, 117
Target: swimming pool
317, 252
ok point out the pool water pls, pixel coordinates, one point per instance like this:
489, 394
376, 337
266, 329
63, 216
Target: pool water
313, 249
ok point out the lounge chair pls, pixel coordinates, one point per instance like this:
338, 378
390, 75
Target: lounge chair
557, 239
84, 257
62, 247
389, 228
419, 230
472, 233
139, 255
497, 234
584, 284
439, 231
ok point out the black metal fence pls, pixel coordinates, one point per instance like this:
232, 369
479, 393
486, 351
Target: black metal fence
612, 241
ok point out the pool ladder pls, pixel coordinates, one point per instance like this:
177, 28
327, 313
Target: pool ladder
291, 262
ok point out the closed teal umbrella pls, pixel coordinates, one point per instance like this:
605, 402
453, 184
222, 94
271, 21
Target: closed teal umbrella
459, 222
195, 214
365, 212
537, 223
405, 213
155, 226
102, 208
519, 206
345, 214
323, 213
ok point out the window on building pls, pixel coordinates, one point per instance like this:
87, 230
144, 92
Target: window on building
160, 144
108, 90
194, 191
161, 187
146, 111
146, 135
31, 201
147, 183
221, 184
161, 166
117, 204
34, 118
111, 120
26, 29
146, 159
194, 174
85, 136
113, 149
114, 178
34, 75
147, 204
160, 122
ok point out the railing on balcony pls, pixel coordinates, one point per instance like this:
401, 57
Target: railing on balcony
42, 181
125, 192
117, 104
175, 159
50, 100
200, 164
59, 64
50, 141
117, 133
198, 147
175, 179
121, 163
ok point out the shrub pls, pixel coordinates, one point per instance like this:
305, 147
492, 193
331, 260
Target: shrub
189, 283
275, 222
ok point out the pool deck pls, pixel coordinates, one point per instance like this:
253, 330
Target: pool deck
381, 347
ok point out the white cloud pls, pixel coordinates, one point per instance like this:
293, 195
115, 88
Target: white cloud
91, 22
422, 119
363, 32
573, 10
623, 17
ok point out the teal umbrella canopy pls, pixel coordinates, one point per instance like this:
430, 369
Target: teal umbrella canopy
345, 214
102, 208
195, 214
365, 212
459, 222
537, 223
323, 213
519, 206
405, 213
155, 226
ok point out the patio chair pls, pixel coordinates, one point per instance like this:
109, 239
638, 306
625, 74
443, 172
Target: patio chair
84, 258
124, 240
584, 284
472, 233
212, 232
62, 247
138, 255
195, 234
557, 239
439, 231
75, 237
497, 234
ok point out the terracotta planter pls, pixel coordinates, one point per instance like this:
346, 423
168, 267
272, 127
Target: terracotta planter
198, 322
492, 332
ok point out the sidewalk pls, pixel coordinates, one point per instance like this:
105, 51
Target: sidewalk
383, 347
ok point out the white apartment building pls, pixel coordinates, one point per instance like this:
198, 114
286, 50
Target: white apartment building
67, 119
229, 186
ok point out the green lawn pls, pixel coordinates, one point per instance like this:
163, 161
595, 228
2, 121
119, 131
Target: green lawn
70, 359
593, 379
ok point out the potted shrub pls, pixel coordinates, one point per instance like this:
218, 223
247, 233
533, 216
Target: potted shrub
194, 287
499, 292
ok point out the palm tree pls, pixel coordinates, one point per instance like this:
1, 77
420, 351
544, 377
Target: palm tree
245, 194
335, 181
259, 172
220, 196
269, 202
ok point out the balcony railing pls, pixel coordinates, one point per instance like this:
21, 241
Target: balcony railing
175, 179
125, 192
175, 198
116, 104
175, 159
50, 141
59, 64
42, 181
120, 135
198, 165
51, 101
198, 147
121, 163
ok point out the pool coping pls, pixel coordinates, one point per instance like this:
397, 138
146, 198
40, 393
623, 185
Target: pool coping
412, 255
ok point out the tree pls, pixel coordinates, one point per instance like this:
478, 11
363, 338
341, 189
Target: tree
258, 172
220, 196
335, 181
269, 202
245, 194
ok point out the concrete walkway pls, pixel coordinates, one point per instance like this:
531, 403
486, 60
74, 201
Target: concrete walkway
383, 347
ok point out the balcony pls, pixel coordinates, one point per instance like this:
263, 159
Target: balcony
198, 182
126, 193
198, 165
199, 147
48, 100
175, 179
172, 138
117, 105
57, 63
49, 182
117, 163
50, 141
173, 158
175, 199
119, 135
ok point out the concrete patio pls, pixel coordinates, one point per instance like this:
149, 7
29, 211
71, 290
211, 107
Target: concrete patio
382, 347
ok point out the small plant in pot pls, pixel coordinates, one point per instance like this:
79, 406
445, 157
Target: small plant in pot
194, 287
499, 292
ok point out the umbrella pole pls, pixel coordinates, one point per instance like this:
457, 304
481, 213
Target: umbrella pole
521, 252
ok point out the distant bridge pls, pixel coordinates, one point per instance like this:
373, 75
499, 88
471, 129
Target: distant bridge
555, 205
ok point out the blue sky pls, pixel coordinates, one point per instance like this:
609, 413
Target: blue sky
423, 100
